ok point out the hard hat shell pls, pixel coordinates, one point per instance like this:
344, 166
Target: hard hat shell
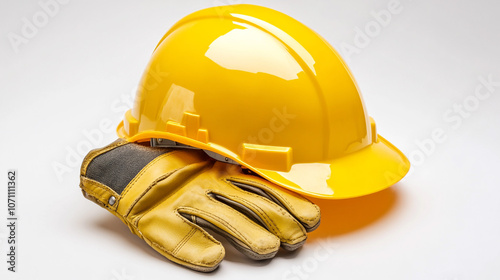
260, 88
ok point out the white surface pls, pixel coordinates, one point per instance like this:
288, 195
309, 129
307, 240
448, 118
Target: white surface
80, 69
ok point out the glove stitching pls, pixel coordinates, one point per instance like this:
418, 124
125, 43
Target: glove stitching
239, 234
96, 152
155, 182
189, 261
205, 234
107, 192
184, 240
195, 227
139, 217
143, 171
96, 200
279, 196
262, 213
257, 208
277, 230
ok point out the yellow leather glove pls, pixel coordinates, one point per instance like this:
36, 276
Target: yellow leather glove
168, 197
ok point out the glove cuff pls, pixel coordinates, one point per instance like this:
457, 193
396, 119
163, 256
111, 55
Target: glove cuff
93, 190
99, 193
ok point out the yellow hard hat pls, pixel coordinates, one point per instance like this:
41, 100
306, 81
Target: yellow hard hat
252, 86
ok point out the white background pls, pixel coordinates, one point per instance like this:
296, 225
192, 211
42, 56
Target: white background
78, 71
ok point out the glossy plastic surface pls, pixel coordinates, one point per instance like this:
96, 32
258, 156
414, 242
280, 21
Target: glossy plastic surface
259, 87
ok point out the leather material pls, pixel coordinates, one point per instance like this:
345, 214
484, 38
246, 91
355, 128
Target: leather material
180, 193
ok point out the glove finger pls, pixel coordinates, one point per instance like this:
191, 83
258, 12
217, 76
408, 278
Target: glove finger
270, 215
244, 234
179, 240
306, 212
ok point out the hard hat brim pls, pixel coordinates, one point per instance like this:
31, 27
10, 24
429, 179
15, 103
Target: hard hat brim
369, 170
